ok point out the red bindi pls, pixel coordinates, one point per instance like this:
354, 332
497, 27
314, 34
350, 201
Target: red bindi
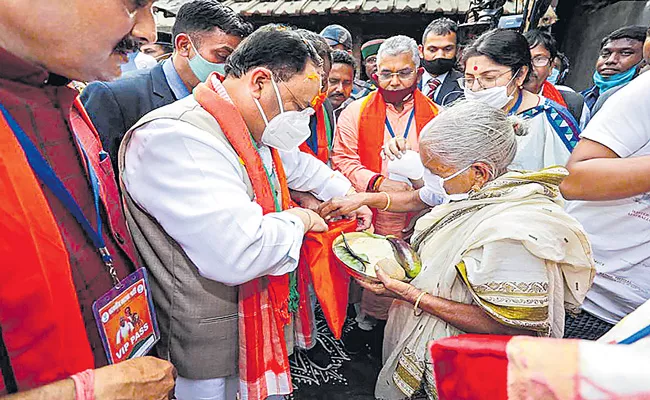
475, 68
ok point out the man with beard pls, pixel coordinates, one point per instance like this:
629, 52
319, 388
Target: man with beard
621, 52
64, 240
543, 51
396, 109
438, 53
340, 81
205, 33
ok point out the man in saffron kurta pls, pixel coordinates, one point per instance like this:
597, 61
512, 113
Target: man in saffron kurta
50, 270
396, 109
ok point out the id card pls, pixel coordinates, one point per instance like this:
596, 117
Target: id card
126, 320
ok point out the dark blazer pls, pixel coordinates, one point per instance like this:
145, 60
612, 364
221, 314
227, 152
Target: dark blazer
575, 103
450, 90
116, 106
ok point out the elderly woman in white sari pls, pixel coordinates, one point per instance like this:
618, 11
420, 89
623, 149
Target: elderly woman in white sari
499, 256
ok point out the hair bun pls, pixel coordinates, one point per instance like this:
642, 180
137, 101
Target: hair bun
519, 125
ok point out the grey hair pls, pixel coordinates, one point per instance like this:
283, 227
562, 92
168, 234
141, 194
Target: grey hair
472, 132
397, 45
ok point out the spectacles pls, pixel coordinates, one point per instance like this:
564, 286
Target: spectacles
541, 61
299, 103
483, 83
401, 75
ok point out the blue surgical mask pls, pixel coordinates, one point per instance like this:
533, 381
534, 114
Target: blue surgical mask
554, 75
609, 82
202, 68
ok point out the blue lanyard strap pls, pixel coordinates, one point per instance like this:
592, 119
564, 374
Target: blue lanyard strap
46, 174
514, 108
408, 125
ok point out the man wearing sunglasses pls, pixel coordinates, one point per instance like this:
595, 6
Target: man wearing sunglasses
206, 182
543, 51
397, 109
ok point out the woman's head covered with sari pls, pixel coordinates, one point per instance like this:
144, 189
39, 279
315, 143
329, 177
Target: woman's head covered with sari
502, 242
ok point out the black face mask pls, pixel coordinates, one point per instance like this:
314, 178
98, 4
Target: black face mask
438, 66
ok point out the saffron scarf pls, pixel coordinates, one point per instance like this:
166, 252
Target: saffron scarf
550, 92
329, 279
42, 326
263, 302
372, 126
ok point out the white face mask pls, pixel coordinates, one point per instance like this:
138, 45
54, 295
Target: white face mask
433, 193
287, 130
496, 97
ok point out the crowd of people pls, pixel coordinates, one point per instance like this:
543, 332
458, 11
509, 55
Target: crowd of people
208, 167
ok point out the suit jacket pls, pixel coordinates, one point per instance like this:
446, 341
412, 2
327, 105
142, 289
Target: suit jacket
450, 90
116, 106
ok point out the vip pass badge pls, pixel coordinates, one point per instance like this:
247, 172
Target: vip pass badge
124, 315
125, 318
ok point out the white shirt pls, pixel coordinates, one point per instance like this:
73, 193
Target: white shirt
192, 184
619, 230
426, 77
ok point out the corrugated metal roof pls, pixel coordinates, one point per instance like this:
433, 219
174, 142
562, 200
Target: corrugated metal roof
321, 7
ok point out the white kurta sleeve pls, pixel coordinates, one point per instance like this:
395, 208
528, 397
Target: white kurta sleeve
192, 185
306, 173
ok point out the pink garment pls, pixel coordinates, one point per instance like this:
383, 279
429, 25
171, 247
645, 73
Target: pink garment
345, 158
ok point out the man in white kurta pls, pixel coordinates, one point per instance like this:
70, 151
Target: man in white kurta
192, 182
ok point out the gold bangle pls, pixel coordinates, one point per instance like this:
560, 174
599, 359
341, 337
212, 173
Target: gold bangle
417, 303
387, 203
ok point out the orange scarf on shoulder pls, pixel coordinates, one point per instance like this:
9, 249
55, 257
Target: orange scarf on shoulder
372, 125
263, 302
550, 92
41, 322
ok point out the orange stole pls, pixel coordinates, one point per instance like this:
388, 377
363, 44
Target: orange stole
329, 279
39, 311
372, 125
321, 132
550, 92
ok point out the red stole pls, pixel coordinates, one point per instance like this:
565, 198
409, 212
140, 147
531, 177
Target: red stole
41, 322
372, 125
550, 92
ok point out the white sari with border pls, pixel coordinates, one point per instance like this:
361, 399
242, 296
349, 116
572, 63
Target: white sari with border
511, 249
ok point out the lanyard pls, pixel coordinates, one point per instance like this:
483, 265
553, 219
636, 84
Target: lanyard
276, 202
46, 174
514, 108
408, 125
312, 141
